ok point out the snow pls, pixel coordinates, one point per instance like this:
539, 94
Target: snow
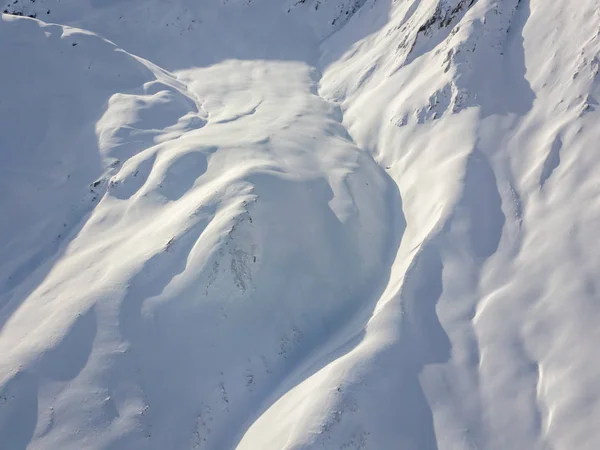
306, 224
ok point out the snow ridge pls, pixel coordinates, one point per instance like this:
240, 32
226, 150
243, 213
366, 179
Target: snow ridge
353, 224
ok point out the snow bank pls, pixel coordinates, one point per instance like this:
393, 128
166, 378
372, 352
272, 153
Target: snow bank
309, 224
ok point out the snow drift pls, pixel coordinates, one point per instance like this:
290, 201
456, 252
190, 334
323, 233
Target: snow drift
354, 224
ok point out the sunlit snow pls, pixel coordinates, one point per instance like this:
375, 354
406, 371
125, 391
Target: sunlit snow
299, 224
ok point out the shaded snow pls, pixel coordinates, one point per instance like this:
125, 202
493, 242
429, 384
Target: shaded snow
305, 224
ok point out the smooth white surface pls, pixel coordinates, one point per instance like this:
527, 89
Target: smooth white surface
328, 224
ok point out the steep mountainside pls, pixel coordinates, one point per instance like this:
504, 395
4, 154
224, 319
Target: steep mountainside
265, 224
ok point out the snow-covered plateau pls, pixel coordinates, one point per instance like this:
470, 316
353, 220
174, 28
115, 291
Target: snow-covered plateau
300, 224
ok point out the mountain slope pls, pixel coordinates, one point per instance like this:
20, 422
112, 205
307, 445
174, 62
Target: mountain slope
318, 224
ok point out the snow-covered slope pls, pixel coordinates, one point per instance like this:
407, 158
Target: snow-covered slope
339, 224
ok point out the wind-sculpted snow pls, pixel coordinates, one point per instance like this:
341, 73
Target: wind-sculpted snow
337, 224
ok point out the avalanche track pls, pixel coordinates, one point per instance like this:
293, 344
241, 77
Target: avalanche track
303, 224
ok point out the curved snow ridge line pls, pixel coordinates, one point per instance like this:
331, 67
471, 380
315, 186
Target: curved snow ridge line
342, 370
479, 236
403, 330
226, 280
81, 38
478, 339
326, 354
77, 38
203, 423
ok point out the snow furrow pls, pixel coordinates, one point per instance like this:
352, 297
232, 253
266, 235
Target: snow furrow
340, 224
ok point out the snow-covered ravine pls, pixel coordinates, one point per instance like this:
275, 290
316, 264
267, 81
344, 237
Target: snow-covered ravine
338, 224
